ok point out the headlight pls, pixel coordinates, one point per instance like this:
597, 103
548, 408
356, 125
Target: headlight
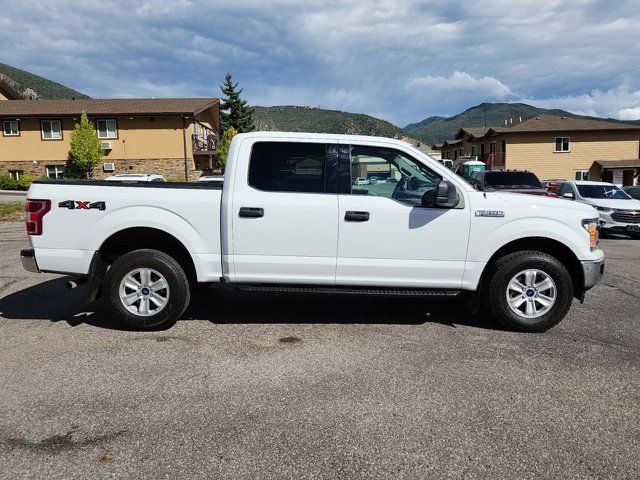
603, 209
591, 226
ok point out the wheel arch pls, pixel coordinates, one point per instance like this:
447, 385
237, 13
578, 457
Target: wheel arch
546, 245
136, 238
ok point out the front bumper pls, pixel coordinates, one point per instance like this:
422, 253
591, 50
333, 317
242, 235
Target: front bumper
28, 259
592, 271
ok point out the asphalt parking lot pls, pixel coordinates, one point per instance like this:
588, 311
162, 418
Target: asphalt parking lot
263, 386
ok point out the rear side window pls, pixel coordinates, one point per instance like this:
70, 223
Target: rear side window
288, 167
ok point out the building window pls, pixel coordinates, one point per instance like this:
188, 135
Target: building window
581, 175
55, 171
492, 147
107, 128
16, 174
461, 152
287, 167
51, 129
562, 144
474, 151
10, 128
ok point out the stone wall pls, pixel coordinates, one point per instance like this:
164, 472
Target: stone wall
170, 168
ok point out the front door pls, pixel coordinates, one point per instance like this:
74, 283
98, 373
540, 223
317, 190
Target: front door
627, 178
285, 214
385, 237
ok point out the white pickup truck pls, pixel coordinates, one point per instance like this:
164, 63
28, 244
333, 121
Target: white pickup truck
289, 217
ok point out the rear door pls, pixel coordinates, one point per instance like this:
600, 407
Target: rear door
285, 212
385, 237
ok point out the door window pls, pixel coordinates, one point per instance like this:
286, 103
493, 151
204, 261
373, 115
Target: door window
288, 167
392, 174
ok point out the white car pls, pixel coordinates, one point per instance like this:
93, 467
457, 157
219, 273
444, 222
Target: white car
135, 177
286, 219
617, 210
362, 181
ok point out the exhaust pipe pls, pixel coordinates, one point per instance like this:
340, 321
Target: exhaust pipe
76, 282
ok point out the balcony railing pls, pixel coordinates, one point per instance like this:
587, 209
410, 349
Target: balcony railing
203, 140
497, 160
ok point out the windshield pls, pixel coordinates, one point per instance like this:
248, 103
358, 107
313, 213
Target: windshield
512, 180
610, 192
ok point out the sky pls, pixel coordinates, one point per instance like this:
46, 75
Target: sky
400, 60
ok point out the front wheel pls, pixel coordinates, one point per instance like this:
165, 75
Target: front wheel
529, 291
147, 289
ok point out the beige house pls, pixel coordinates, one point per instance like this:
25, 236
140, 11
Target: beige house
175, 137
555, 147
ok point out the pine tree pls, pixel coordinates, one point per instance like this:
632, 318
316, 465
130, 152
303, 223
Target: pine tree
234, 111
86, 151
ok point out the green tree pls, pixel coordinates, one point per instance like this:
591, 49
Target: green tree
223, 147
234, 111
86, 151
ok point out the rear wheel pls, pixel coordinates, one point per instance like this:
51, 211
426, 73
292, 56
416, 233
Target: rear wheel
529, 291
147, 289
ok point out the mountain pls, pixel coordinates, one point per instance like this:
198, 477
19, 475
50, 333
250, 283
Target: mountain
291, 118
423, 123
433, 131
34, 86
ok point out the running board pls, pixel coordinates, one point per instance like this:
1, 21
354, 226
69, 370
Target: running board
406, 292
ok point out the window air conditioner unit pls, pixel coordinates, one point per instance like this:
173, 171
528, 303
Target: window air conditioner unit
107, 145
109, 167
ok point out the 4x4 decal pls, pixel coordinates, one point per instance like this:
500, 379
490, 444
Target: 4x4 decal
79, 205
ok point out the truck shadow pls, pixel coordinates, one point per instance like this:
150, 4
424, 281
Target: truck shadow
52, 301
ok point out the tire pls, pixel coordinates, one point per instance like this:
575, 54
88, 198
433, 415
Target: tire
132, 278
510, 273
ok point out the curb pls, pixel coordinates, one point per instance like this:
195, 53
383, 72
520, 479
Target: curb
17, 193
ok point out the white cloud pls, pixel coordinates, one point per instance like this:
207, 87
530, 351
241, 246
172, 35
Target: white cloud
460, 82
618, 103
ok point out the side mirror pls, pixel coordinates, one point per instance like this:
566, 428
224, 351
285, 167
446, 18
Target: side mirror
569, 195
446, 196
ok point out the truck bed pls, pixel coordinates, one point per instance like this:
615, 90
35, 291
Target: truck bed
85, 214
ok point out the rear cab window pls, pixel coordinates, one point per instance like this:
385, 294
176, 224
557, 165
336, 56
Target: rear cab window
288, 167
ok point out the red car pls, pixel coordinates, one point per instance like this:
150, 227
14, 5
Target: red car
515, 181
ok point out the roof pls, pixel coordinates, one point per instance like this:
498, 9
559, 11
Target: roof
10, 92
452, 142
555, 123
634, 162
112, 106
476, 132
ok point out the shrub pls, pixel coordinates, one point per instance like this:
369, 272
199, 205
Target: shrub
173, 180
8, 183
25, 181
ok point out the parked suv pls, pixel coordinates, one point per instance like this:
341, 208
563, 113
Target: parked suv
618, 211
516, 181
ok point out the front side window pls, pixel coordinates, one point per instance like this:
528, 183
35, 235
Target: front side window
288, 167
563, 144
10, 128
51, 129
55, 172
107, 128
391, 174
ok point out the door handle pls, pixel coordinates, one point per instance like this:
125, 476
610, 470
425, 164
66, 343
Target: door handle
356, 216
251, 212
